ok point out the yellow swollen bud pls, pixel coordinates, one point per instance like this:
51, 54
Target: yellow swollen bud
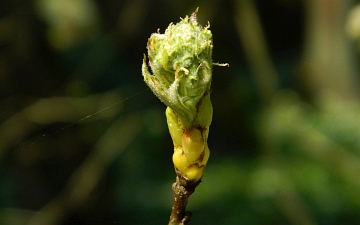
192, 171
174, 125
191, 157
191, 152
204, 112
193, 145
179, 159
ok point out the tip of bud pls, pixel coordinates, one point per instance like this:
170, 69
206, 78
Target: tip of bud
193, 18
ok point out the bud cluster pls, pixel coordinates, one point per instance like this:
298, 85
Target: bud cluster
181, 63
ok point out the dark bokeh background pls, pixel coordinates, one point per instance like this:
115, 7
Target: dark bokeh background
84, 141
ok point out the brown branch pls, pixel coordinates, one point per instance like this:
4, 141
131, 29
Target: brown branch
181, 194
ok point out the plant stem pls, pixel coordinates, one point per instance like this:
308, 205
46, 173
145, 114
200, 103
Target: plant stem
181, 194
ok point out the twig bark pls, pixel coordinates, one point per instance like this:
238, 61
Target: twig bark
179, 215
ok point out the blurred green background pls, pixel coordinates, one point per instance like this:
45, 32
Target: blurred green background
84, 141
